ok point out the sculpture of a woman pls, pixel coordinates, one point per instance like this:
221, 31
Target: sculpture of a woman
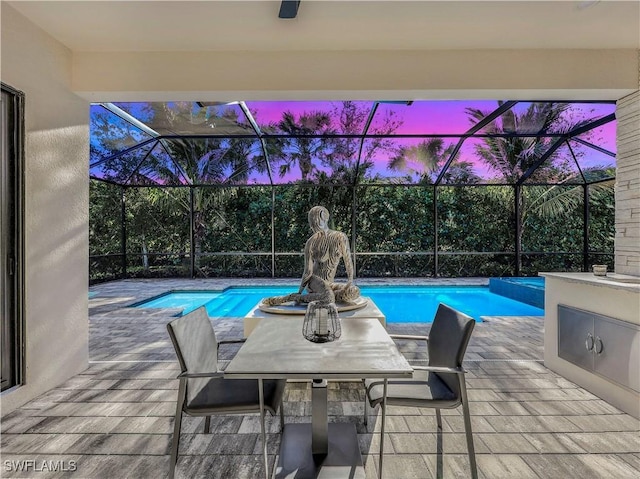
322, 254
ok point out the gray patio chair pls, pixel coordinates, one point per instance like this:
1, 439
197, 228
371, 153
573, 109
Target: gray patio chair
203, 391
440, 385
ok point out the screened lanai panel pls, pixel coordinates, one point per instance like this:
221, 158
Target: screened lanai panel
475, 218
111, 134
317, 160
310, 117
509, 158
544, 117
189, 118
475, 231
105, 218
601, 224
157, 230
559, 167
427, 117
394, 230
158, 168
603, 136
594, 164
553, 228
105, 228
527, 118
574, 163
394, 218
401, 160
204, 161
468, 167
585, 112
490, 160
120, 168
233, 227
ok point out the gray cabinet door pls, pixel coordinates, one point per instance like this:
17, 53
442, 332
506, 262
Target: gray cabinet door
575, 336
617, 351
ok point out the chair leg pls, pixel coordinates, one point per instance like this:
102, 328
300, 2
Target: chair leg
384, 418
207, 424
176, 428
281, 416
439, 447
467, 428
366, 412
262, 430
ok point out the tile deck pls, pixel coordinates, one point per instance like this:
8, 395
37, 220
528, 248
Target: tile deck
115, 419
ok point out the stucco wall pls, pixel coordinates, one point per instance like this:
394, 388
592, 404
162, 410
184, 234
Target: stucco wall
360, 75
56, 207
627, 241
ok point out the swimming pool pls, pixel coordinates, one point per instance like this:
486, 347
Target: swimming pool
400, 304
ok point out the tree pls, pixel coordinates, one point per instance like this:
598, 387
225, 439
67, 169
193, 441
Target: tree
423, 162
303, 145
350, 118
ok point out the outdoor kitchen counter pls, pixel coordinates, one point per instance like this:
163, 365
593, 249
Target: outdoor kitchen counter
605, 360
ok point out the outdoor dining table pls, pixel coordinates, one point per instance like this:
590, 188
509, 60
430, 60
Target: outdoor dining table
277, 350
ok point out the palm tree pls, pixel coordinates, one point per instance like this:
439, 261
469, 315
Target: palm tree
303, 145
423, 162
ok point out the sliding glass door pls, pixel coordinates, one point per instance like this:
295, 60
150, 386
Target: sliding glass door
11, 289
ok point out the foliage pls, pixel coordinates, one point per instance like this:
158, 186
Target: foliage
105, 219
393, 237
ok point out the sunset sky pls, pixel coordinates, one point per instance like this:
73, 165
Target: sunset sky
422, 118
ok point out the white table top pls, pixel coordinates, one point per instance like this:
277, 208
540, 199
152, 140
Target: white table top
277, 350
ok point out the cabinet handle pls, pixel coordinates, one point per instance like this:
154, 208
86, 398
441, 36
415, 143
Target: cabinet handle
588, 343
599, 345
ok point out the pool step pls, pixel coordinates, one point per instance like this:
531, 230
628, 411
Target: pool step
222, 307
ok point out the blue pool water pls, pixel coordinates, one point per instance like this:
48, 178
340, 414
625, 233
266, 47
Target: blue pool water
525, 290
186, 300
532, 282
400, 304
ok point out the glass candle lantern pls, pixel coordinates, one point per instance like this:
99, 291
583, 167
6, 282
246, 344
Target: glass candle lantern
321, 322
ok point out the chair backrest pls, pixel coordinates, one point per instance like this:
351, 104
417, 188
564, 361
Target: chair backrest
195, 342
448, 340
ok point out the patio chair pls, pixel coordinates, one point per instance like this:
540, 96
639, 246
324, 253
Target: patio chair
440, 385
203, 391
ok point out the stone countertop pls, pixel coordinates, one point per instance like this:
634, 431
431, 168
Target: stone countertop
612, 280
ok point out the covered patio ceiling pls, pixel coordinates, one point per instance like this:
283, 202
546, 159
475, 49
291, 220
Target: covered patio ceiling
384, 142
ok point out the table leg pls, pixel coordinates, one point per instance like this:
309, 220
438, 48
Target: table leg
262, 429
319, 450
319, 418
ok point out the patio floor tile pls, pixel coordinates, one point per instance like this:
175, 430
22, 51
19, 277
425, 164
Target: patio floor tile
116, 418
